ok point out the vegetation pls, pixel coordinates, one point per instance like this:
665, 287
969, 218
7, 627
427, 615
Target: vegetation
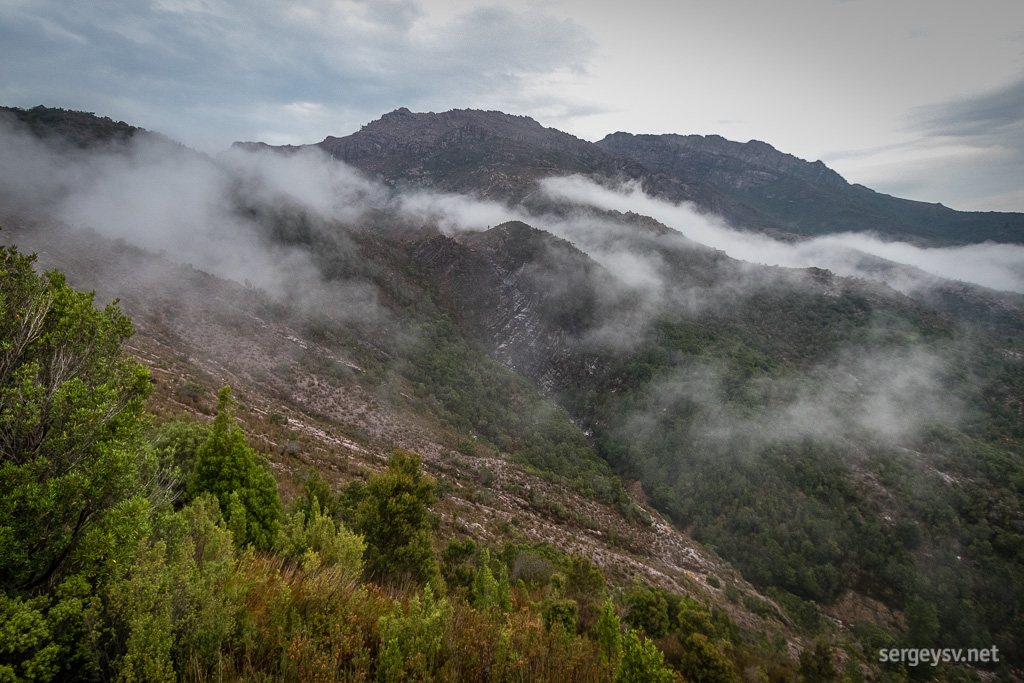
226, 467
793, 513
138, 552
159, 581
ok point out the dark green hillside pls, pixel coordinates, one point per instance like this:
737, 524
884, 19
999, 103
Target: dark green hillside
817, 502
73, 128
799, 428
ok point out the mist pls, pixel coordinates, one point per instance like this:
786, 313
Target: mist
997, 266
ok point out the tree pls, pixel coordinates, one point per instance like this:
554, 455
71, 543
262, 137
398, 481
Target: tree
394, 521
176, 444
648, 610
609, 633
226, 467
642, 661
704, 663
922, 623
817, 665
71, 409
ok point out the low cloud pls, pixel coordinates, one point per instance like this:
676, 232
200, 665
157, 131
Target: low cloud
990, 265
167, 199
857, 397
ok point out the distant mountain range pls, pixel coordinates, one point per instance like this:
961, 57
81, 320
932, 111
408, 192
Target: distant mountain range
751, 185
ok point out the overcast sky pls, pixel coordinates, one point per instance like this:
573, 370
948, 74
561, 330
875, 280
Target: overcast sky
917, 98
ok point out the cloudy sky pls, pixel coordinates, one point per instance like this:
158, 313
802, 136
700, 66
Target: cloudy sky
917, 98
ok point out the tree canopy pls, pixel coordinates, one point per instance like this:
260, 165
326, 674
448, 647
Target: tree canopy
71, 407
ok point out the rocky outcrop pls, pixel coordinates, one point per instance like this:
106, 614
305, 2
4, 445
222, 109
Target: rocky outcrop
507, 287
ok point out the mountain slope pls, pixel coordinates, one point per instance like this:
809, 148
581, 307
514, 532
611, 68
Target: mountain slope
500, 156
844, 445
807, 198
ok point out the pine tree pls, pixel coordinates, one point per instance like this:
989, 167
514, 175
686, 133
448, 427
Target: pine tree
227, 468
609, 633
394, 521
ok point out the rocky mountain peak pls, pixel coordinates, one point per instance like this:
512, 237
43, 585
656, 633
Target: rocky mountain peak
411, 133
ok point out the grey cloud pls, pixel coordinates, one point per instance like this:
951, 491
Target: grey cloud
167, 199
991, 113
218, 61
991, 125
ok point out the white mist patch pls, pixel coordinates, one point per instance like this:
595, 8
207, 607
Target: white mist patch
308, 178
999, 266
856, 394
452, 213
164, 198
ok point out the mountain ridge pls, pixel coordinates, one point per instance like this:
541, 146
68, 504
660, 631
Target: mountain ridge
808, 198
752, 185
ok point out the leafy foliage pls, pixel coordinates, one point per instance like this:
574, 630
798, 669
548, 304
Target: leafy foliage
320, 540
393, 518
478, 394
642, 661
70, 411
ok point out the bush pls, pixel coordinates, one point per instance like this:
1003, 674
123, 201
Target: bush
648, 610
413, 642
642, 662
319, 539
394, 521
560, 611
704, 663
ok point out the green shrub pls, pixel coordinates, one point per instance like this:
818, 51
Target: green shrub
227, 467
332, 543
642, 662
395, 523
648, 610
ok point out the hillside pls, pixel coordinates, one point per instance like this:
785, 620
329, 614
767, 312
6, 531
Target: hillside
832, 464
807, 198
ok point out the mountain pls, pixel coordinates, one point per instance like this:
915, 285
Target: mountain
500, 156
807, 468
76, 129
752, 185
807, 198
